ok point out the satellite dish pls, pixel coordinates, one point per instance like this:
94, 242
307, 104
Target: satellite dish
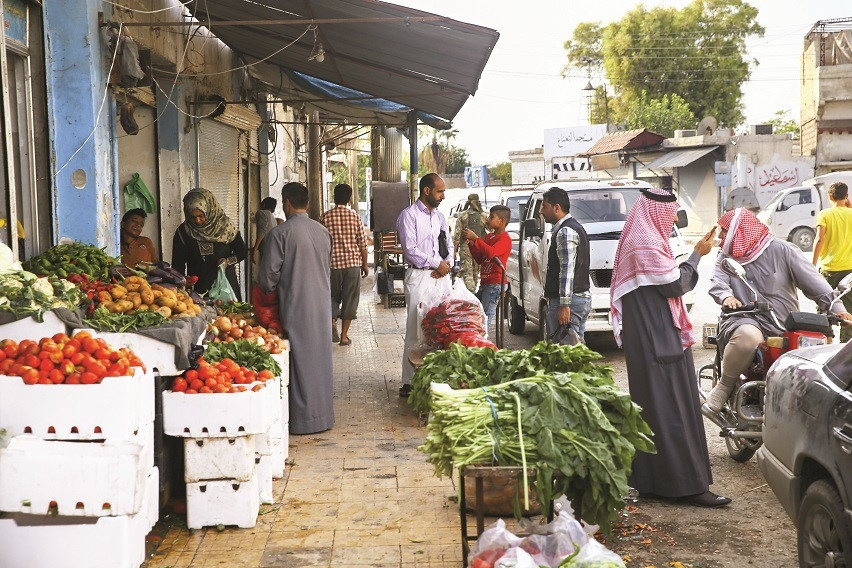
707, 126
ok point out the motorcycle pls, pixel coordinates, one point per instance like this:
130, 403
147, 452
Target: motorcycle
741, 418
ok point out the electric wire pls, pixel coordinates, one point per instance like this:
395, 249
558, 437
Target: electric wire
123, 7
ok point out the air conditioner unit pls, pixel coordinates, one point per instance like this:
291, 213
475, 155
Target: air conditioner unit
760, 129
685, 133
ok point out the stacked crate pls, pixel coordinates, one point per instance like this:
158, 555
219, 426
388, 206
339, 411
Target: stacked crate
220, 440
77, 472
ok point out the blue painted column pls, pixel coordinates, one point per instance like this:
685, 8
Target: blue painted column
83, 155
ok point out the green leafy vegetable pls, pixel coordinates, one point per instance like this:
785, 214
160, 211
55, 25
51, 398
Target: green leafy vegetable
235, 307
245, 352
24, 294
101, 319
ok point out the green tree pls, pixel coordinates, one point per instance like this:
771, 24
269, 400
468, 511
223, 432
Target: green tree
782, 123
442, 156
457, 160
663, 115
500, 173
697, 52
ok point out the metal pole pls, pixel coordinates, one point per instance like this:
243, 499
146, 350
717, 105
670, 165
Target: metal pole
412, 149
315, 186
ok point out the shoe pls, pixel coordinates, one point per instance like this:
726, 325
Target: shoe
404, 391
707, 499
347, 342
335, 337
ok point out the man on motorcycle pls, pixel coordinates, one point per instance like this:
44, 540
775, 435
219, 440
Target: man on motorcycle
776, 269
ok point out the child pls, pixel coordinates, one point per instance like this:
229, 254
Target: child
498, 244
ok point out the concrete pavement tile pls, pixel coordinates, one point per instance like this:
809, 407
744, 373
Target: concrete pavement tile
241, 558
171, 560
367, 555
280, 557
373, 536
306, 538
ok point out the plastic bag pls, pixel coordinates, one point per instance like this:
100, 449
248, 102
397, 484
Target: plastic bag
516, 558
454, 316
221, 289
595, 555
137, 196
492, 544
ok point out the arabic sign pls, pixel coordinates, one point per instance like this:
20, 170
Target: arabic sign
476, 176
15, 21
571, 141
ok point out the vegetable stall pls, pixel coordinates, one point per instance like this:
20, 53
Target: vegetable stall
74, 316
550, 412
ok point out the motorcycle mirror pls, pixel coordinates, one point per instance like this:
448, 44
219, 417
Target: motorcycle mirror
734, 267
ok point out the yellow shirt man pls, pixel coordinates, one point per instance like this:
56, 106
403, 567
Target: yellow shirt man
835, 227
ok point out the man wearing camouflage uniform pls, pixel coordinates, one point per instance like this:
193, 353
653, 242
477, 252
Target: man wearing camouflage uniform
472, 217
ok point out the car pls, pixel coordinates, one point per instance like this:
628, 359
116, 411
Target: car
515, 199
806, 455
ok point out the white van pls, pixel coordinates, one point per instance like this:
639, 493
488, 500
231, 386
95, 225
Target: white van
601, 206
515, 200
791, 213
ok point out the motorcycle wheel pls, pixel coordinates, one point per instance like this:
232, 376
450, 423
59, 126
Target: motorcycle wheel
741, 449
824, 535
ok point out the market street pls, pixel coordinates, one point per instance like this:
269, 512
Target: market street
361, 495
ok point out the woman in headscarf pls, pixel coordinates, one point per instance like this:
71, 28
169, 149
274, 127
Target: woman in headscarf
776, 269
650, 322
205, 240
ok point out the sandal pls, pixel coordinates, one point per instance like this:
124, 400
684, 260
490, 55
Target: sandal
347, 342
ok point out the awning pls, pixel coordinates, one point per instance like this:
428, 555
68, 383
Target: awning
431, 66
679, 158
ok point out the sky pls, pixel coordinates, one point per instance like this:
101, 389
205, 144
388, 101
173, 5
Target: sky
521, 91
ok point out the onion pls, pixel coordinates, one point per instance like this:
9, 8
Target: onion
275, 350
248, 334
260, 340
223, 323
236, 333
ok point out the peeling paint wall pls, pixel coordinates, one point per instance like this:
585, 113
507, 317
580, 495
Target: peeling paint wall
767, 165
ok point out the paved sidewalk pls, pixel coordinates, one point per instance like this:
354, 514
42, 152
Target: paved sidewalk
359, 495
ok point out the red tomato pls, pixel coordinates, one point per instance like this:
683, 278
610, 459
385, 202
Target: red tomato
75, 343
11, 351
77, 358
43, 381
55, 356
117, 370
31, 361
32, 349
2, 355
102, 354
191, 375
6, 365
60, 338
256, 388
88, 378
220, 389
196, 384
205, 373
264, 375
29, 375
90, 345
46, 365
69, 350
56, 377
205, 390
179, 384
73, 379
210, 383
190, 391
221, 367
98, 369
114, 356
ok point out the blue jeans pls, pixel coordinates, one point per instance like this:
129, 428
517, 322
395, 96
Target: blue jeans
580, 308
489, 295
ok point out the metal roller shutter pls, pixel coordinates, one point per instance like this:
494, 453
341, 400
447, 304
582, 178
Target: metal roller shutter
219, 171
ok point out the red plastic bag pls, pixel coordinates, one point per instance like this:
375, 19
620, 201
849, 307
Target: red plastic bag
452, 314
268, 317
261, 299
469, 339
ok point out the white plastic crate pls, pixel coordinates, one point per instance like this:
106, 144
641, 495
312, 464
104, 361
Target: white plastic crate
35, 541
224, 415
223, 502
219, 458
28, 328
280, 452
263, 442
113, 410
86, 479
154, 353
285, 405
263, 465
283, 360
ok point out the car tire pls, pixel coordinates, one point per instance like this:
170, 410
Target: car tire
823, 531
517, 317
803, 237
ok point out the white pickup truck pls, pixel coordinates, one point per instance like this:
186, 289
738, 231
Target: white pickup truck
601, 206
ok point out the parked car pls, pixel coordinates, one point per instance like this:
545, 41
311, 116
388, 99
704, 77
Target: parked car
791, 213
601, 206
515, 200
453, 217
806, 455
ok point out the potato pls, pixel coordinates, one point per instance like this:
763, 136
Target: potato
147, 297
118, 291
134, 280
133, 286
164, 311
124, 306
110, 306
180, 307
143, 308
157, 293
104, 297
196, 308
166, 301
136, 299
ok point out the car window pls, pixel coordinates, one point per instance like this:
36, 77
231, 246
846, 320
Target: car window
840, 366
514, 204
596, 205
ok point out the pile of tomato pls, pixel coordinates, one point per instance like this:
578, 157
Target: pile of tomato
226, 376
78, 360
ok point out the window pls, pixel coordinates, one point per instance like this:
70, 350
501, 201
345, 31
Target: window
839, 367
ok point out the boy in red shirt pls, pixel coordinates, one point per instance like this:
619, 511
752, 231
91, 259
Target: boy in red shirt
498, 244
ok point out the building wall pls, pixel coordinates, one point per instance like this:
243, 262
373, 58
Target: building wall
809, 95
766, 164
528, 166
698, 194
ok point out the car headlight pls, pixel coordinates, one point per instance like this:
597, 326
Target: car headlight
806, 341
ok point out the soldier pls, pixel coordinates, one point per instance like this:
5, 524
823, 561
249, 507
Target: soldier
474, 218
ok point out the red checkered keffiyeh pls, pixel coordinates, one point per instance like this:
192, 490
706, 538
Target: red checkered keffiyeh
747, 237
644, 258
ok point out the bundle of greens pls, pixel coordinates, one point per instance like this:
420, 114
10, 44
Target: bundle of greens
245, 352
102, 320
462, 367
25, 294
578, 430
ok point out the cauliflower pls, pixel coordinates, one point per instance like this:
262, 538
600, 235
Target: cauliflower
43, 286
